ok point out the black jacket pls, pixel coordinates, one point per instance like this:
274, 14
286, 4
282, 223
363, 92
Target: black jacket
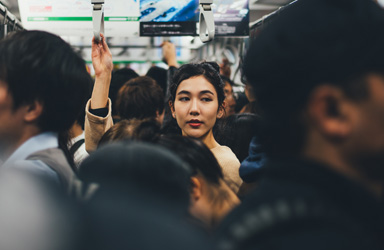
304, 205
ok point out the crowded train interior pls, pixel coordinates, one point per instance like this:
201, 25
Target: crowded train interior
191, 124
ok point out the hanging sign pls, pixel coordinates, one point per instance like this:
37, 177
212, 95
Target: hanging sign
74, 17
231, 17
168, 17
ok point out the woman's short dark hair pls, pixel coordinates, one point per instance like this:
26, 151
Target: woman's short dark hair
159, 75
119, 78
140, 98
196, 154
209, 70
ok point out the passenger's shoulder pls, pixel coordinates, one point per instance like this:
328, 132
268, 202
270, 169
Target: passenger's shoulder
224, 155
36, 167
224, 150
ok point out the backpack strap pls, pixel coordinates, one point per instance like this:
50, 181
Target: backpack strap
76, 146
56, 160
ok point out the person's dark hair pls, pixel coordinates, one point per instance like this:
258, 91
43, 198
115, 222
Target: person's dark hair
291, 57
160, 76
119, 78
209, 70
137, 167
39, 66
241, 101
139, 130
226, 79
236, 132
196, 154
140, 98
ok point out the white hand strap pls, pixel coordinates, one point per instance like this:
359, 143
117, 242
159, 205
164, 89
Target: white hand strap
98, 18
207, 24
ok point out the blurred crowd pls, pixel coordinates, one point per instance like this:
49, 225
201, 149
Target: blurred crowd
175, 160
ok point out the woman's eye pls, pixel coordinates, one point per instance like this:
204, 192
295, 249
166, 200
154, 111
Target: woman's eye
206, 99
183, 99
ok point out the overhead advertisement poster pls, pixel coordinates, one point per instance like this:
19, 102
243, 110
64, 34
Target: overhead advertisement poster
179, 17
168, 17
231, 17
74, 17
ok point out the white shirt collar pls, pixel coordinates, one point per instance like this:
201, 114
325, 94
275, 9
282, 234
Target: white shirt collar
34, 144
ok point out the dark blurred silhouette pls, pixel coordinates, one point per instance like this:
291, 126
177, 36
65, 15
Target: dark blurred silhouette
119, 78
236, 132
160, 76
317, 72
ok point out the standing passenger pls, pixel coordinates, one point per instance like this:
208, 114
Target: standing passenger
43, 84
230, 102
318, 75
119, 78
139, 98
197, 101
211, 198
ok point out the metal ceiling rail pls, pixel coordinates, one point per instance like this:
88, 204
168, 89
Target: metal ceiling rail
8, 21
131, 47
269, 17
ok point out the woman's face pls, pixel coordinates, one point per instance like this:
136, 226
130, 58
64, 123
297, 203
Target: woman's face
196, 107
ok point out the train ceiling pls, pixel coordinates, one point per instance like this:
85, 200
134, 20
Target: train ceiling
148, 49
258, 8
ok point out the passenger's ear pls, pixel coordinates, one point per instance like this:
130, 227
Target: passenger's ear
33, 111
221, 111
196, 189
331, 112
160, 116
170, 103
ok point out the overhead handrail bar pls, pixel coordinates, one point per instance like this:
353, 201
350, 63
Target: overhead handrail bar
9, 18
98, 18
5, 25
267, 18
11, 23
14, 25
206, 21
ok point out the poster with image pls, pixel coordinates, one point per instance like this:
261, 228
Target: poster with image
231, 17
168, 17
181, 17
